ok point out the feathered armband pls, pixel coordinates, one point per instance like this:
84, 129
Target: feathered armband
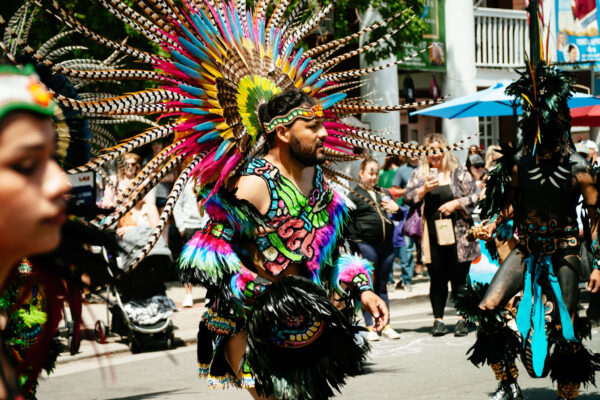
210, 255
354, 272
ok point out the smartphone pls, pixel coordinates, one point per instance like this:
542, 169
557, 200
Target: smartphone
433, 173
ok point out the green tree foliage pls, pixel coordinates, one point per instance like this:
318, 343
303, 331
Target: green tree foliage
346, 21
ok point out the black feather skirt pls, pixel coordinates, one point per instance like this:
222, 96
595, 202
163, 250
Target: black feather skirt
299, 345
496, 341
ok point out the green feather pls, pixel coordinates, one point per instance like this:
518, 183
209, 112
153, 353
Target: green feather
32, 317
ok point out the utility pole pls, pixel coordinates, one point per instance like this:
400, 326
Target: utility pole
534, 32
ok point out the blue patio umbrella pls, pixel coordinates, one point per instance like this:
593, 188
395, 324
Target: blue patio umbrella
492, 102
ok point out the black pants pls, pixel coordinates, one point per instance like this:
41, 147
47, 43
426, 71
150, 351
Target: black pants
444, 268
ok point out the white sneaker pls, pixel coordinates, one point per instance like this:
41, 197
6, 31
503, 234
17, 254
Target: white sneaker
372, 336
389, 333
188, 301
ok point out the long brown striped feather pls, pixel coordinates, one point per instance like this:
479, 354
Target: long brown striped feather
135, 142
167, 211
132, 200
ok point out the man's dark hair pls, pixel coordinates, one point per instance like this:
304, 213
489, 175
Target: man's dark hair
281, 104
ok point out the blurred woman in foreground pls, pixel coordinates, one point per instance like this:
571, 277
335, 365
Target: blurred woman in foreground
34, 187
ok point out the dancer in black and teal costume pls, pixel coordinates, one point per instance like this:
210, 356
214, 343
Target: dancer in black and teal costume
270, 260
536, 192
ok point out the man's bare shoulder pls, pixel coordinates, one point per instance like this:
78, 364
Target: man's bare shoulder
253, 189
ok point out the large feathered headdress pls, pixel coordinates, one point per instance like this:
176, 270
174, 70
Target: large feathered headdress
220, 62
543, 92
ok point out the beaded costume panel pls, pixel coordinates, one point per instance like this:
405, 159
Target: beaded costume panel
303, 229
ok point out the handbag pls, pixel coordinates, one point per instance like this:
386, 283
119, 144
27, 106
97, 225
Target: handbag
413, 227
444, 231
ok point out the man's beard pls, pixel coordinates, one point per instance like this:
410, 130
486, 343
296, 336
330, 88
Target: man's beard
305, 154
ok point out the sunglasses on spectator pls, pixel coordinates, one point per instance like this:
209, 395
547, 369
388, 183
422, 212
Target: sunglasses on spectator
478, 166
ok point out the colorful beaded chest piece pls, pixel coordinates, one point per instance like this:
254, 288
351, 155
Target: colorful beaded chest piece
304, 229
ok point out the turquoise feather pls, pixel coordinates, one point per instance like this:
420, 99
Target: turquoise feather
195, 50
222, 149
313, 77
208, 137
196, 111
184, 60
204, 126
194, 91
319, 85
186, 70
328, 101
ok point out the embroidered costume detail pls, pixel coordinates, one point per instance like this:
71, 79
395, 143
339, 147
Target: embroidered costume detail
218, 324
300, 329
353, 270
302, 229
301, 112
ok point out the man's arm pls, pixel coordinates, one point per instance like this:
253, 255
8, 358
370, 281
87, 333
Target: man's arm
253, 189
590, 200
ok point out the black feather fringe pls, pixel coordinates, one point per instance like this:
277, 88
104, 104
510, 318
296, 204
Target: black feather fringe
573, 363
499, 179
496, 342
309, 372
467, 301
501, 345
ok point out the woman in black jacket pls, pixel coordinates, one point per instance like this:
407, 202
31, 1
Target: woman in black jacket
372, 229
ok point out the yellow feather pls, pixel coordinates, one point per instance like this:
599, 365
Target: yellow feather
228, 134
209, 87
222, 126
211, 94
527, 98
214, 103
212, 70
292, 73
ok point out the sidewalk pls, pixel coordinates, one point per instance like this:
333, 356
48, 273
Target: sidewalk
185, 320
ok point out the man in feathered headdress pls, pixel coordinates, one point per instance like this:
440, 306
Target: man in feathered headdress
267, 254
536, 192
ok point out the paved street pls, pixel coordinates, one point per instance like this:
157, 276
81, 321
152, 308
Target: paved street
417, 366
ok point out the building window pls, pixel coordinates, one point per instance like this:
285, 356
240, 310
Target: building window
488, 128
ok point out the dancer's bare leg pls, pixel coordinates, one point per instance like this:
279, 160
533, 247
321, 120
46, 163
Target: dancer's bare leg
506, 283
235, 348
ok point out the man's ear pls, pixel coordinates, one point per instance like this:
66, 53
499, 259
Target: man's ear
282, 133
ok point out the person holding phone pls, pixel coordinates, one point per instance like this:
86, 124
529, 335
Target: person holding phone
447, 192
372, 229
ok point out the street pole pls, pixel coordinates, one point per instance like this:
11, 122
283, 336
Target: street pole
534, 33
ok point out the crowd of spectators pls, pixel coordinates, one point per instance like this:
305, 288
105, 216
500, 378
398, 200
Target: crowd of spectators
425, 190
384, 205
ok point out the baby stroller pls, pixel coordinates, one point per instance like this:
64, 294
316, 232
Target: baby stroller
137, 305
